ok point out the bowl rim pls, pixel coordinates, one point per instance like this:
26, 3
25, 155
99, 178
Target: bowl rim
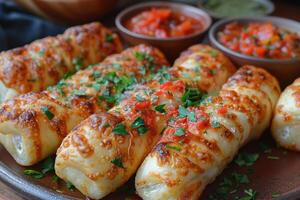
269, 5
199, 11
213, 40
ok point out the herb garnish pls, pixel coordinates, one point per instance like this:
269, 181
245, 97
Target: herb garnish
47, 112
34, 174
228, 186
118, 162
192, 97
160, 108
176, 148
77, 62
250, 195
246, 159
109, 38
120, 129
47, 166
179, 132
70, 186
183, 112
215, 124
139, 124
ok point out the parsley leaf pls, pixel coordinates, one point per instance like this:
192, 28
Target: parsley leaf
179, 132
250, 195
70, 186
77, 62
183, 112
138, 122
246, 159
215, 124
176, 148
120, 129
142, 130
160, 108
47, 112
48, 165
118, 162
109, 38
34, 174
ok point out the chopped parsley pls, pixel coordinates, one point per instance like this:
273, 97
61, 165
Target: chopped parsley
47, 112
139, 98
78, 63
215, 124
246, 159
120, 129
176, 148
162, 75
192, 97
60, 86
183, 112
141, 56
109, 38
179, 132
79, 93
139, 124
55, 179
118, 162
106, 125
117, 66
228, 186
250, 195
70, 186
160, 108
48, 165
67, 75
34, 174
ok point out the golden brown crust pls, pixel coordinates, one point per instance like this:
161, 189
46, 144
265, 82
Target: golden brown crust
45, 61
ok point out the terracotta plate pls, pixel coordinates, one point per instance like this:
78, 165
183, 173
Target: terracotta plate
275, 172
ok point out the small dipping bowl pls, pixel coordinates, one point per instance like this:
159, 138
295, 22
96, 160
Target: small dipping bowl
285, 70
171, 46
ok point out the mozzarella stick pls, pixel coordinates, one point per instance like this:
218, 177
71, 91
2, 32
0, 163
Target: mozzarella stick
33, 125
44, 62
286, 121
197, 146
105, 150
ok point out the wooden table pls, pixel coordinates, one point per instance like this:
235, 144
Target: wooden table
284, 8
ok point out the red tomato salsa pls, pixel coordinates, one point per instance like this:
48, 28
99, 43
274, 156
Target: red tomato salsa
263, 40
163, 23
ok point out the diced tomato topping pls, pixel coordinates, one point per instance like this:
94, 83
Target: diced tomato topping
142, 105
167, 85
202, 124
222, 110
179, 85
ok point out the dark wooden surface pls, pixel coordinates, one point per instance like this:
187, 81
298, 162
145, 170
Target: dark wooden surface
284, 8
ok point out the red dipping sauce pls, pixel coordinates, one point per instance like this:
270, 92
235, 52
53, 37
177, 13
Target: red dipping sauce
163, 23
263, 40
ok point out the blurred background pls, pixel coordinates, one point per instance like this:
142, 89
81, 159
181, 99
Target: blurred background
22, 21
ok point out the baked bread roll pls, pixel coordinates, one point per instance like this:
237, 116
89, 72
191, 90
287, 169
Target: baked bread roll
196, 147
44, 62
286, 121
33, 125
105, 150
